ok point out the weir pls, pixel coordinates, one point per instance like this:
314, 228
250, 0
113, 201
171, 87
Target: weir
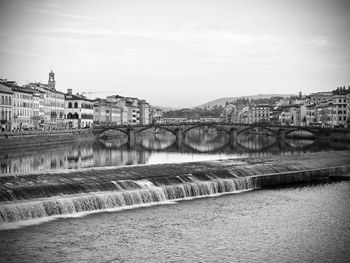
43, 195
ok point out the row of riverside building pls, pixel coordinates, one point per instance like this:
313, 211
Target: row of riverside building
41, 106
324, 109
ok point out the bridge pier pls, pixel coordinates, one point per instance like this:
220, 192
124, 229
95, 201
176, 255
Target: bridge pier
281, 134
282, 144
233, 138
131, 138
179, 136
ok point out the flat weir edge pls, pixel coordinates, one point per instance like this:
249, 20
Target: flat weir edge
34, 196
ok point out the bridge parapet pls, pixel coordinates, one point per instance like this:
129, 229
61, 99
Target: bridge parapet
233, 129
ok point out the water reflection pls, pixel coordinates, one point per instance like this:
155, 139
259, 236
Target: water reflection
159, 147
205, 141
158, 141
256, 142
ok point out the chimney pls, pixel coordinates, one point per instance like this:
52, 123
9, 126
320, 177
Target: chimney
69, 91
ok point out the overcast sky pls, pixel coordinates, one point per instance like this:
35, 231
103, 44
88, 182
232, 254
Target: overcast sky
179, 53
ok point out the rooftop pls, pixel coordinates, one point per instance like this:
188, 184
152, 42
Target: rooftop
76, 97
16, 88
5, 89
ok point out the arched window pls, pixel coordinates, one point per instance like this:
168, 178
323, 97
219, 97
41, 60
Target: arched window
75, 104
69, 116
70, 105
76, 116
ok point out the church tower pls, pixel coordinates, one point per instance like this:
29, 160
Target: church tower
52, 81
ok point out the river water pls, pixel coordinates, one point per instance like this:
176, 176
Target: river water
153, 148
153, 223
305, 223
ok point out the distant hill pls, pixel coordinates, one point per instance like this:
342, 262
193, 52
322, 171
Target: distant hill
223, 101
165, 108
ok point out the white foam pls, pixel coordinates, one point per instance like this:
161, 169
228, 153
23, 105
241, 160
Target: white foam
36, 221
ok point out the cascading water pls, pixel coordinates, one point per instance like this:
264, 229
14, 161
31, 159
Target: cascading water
126, 193
37, 196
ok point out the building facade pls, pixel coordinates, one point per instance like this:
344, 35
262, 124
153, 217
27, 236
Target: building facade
79, 111
51, 103
310, 114
108, 113
23, 108
340, 114
320, 97
324, 114
259, 113
6, 109
134, 110
348, 109
144, 112
155, 114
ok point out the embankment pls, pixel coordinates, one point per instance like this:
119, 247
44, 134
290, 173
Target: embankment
50, 194
11, 140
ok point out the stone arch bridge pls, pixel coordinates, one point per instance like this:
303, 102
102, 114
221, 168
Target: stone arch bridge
232, 129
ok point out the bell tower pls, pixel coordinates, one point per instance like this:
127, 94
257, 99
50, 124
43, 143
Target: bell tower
52, 81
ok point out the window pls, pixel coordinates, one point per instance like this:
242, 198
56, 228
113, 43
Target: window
75, 104
69, 105
2, 100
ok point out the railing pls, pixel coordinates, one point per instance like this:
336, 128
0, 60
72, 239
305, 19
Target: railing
97, 126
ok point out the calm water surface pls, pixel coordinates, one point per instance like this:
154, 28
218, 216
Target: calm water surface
152, 148
297, 224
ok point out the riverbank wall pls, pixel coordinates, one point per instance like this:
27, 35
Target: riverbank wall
20, 139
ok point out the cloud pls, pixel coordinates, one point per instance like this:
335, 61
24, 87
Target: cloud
138, 44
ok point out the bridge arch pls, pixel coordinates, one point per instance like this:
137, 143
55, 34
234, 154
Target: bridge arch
314, 132
217, 127
252, 127
155, 126
101, 132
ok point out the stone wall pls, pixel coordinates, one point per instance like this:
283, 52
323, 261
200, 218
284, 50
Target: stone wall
10, 140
